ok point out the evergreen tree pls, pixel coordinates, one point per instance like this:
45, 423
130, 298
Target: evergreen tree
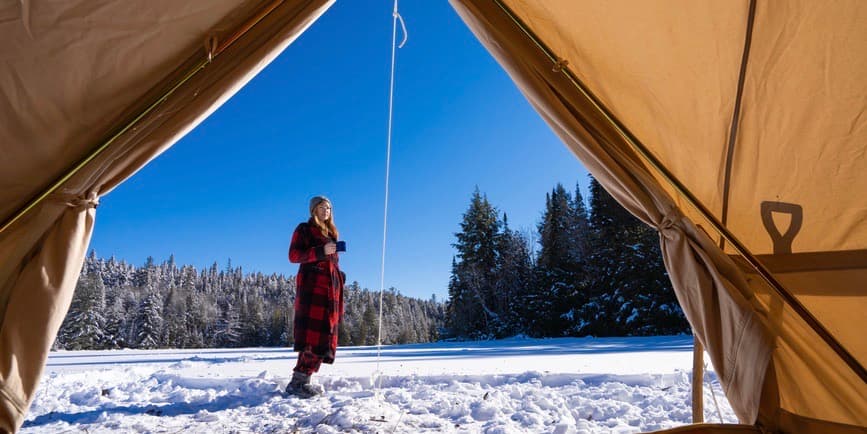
369, 327
559, 273
580, 256
461, 306
609, 221
157, 306
472, 291
129, 317
114, 316
581, 231
514, 279
149, 322
274, 326
227, 331
344, 337
655, 308
145, 277
84, 325
253, 329
631, 293
175, 319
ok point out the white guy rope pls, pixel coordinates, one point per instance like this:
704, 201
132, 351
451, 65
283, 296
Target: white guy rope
377, 375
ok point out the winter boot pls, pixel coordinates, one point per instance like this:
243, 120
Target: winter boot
301, 387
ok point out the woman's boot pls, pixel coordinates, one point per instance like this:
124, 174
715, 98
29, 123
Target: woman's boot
301, 387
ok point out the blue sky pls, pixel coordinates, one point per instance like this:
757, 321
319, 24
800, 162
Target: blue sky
315, 122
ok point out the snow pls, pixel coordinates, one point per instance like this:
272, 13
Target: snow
518, 385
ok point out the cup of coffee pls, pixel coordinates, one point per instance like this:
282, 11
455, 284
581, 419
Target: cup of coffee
341, 246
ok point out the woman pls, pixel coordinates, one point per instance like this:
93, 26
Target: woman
319, 298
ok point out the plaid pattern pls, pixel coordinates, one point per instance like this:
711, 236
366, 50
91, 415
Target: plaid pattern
308, 363
319, 298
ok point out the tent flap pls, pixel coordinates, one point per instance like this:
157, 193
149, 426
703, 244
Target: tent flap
120, 60
611, 78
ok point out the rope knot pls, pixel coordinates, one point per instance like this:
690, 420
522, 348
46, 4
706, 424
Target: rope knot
559, 65
85, 201
669, 222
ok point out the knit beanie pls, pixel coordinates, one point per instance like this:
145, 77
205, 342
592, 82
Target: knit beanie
316, 201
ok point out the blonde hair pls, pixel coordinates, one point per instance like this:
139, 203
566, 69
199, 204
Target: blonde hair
328, 228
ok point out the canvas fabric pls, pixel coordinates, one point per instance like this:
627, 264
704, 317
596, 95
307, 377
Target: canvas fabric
777, 173
75, 73
783, 172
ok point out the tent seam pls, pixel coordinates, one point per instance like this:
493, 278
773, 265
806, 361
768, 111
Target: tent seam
733, 128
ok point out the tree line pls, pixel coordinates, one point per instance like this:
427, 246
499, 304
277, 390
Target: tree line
596, 272
119, 305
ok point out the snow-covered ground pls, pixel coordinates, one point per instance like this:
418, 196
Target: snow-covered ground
604, 385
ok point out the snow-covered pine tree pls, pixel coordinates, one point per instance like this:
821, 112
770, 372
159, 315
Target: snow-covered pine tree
149, 322
368, 329
654, 309
514, 279
581, 232
353, 309
175, 319
472, 292
559, 275
146, 276
605, 293
84, 325
579, 252
253, 328
459, 305
114, 316
213, 308
630, 293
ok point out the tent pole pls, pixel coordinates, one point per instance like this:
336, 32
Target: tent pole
697, 381
213, 52
650, 159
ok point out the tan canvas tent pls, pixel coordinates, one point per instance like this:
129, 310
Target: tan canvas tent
736, 128
739, 130
128, 78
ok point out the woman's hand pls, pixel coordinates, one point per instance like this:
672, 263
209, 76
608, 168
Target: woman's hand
330, 248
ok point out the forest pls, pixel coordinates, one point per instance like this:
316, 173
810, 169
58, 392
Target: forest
583, 271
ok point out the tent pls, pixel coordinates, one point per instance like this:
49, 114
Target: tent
735, 128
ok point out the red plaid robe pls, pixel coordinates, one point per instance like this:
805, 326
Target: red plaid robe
319, 292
